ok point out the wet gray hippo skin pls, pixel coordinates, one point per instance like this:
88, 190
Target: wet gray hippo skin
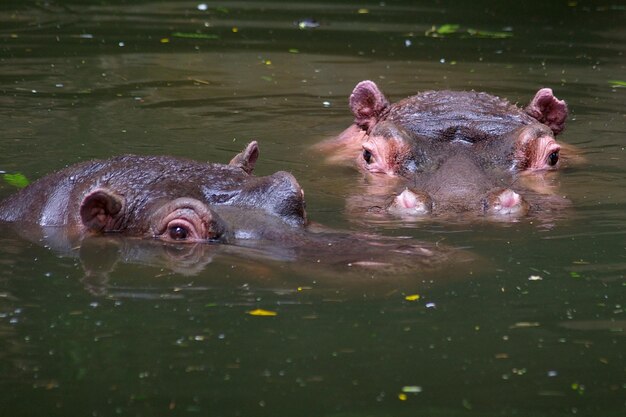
457, 151
176, 206
158, 197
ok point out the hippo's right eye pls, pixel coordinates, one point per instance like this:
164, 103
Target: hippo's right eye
553, 158
367, 156
178, 233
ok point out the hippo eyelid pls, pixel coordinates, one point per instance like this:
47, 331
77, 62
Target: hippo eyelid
368, 150
198, 220
367, 156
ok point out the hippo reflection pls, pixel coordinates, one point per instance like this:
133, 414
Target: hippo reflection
456, 152
186, 211
314, 256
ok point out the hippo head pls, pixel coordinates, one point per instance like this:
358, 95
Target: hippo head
458, 151
164, 198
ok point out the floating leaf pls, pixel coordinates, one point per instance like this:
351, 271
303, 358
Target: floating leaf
412, 297
189, 35
17, 180
454, 29
412, 389
402, 396
617, 83
442, 30
525, 324
579, 388
466, 404
447, 29
489, 34
262, 313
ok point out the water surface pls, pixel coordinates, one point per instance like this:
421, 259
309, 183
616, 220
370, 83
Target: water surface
533, 327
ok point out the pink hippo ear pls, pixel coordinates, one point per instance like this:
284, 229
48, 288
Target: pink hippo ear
101, 210
548, 110
368, 104
247, 158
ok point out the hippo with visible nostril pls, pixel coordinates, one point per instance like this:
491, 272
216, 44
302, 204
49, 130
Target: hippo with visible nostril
177, 202
455, 152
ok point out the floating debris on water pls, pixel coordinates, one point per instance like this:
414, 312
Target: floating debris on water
306, 23
262, 313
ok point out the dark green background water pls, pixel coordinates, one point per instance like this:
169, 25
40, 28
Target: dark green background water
86, 79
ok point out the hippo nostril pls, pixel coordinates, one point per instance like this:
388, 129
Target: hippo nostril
509, 198
506, 203
411, 203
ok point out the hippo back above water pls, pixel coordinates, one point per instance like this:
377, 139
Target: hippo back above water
155, 196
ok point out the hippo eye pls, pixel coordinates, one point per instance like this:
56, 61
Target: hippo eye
553, 158
367, 156
178, 233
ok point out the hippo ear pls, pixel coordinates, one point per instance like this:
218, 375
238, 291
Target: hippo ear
368, 104
548, 110
101, 209
247, 158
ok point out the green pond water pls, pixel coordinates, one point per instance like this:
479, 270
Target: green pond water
533, 324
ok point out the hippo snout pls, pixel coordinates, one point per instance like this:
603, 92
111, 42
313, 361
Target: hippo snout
458, 184
279, 194
286, 196
501, 203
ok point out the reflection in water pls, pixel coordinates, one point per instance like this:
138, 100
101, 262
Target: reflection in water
317, 253
370, 200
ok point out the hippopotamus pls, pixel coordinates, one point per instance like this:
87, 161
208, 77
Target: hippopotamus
150, 207
158, 197
455, 151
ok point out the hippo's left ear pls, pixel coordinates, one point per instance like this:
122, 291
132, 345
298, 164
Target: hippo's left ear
368, 104
247, 158
101, 210
548, 110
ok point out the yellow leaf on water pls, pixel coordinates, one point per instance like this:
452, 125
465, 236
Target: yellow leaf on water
412, 297
261, 312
